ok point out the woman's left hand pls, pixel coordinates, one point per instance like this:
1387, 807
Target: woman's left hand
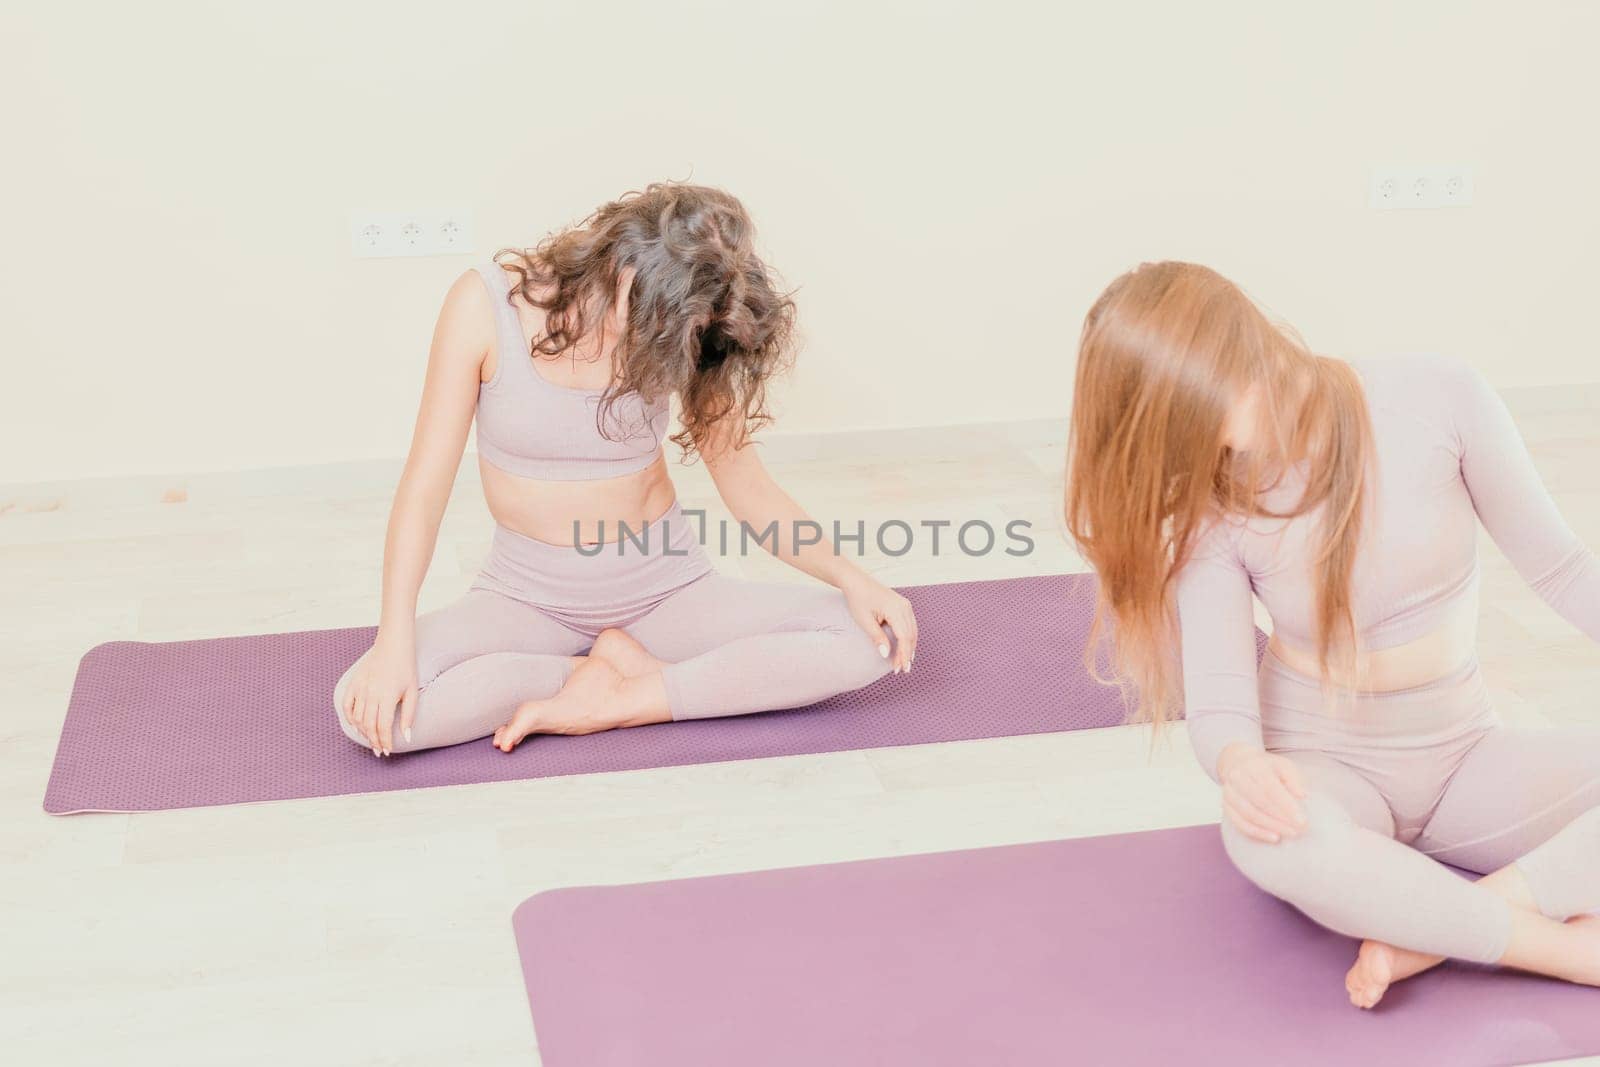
883, 614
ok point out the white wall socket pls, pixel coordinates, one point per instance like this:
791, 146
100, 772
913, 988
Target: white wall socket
426, 232
1398, 188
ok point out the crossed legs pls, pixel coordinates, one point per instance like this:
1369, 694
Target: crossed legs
719, 646
491, 665
1520, 806
477, 659
1524, 805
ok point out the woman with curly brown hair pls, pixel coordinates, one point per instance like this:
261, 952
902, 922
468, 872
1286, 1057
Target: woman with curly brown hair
598, 607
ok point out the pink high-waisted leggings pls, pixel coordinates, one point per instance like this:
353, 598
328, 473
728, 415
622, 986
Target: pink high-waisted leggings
731, 646
1400, 783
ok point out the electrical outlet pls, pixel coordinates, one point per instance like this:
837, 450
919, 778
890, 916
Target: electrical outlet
368, 236
411, 235
1398, 188
451, 233
424, 232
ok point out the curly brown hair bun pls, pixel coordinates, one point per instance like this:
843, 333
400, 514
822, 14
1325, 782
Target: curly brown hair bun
705, 320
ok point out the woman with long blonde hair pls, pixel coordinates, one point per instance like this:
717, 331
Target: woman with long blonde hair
1214, 458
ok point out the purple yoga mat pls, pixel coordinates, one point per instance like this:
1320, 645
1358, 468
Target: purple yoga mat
1131, 950
237, 719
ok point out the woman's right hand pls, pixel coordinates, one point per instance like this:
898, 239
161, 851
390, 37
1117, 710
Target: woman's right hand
1261, 793
385, 679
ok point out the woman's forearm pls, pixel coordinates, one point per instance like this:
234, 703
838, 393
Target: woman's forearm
407, 550
770, 508
773, 518
822, 561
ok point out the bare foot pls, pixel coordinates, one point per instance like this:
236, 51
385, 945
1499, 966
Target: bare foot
596, 697
1374, 971
1574, 957
578, 708
1379, 966
625, 654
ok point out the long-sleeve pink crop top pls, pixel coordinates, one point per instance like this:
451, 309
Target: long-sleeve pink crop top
1447, 455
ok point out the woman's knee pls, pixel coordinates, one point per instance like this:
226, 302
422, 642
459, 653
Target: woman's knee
341, 689
856, 651
1290, 868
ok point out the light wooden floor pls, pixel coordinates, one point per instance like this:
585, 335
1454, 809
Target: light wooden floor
375, 929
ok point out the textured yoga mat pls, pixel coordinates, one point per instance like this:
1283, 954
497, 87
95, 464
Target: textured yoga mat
1142, 949
237, 719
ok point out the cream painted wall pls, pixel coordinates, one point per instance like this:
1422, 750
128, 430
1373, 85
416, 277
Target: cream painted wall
949, 184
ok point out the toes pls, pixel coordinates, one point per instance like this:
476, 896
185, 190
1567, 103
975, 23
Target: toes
511, 734
1364, 991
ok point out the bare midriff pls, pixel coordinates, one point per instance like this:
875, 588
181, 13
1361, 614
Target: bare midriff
551, 511
1435, 655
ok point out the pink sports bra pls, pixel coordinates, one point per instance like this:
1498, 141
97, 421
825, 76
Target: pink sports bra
532, 427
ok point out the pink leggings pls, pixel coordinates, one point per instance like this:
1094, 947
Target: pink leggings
731, 646
1402, 783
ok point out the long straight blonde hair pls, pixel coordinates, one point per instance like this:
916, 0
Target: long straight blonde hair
1167, 352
